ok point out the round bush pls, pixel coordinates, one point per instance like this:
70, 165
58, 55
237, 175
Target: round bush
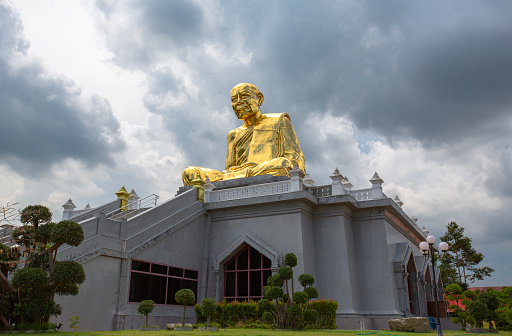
35, 214
67, 232
208, 306
285, 273
29, 278
306, 280
312, 292
273, 292
264, 305
68, 272
275, 280
300, 297
146, 307
185, 297
67, 289
290, 260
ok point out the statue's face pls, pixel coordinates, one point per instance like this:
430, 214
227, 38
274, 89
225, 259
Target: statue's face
245, 101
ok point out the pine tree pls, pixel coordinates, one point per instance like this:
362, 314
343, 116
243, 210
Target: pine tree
459, 264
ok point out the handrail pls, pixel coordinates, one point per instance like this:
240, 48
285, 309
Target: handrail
133, 207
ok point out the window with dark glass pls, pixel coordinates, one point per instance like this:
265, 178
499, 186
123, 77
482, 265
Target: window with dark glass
245, 275
157, 282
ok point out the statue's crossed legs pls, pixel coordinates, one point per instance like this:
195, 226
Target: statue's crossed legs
276, 167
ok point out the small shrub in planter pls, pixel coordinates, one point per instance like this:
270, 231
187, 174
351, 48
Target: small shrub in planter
145, 308
208, 307
185, 297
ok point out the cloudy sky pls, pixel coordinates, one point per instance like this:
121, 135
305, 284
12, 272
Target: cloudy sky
96, 95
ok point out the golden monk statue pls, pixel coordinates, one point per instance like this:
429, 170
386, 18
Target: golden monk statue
264, 144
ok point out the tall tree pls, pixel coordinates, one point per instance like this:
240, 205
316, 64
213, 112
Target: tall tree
461, 261
28, 297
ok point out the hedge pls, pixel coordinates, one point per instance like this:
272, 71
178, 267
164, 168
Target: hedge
326, 313
231, 313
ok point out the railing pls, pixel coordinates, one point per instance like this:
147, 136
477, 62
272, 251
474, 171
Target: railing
134, 208
362, 195
322, 191
279, 188
326, 191
250, 191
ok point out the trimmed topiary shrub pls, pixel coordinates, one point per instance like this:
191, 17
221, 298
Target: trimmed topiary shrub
145, 308
29, 296
208, 307
290, 309
185, 297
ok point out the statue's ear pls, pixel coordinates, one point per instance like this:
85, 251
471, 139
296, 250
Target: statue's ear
260, 98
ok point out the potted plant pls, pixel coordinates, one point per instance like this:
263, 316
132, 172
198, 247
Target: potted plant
185, 297
145, 308
208, 307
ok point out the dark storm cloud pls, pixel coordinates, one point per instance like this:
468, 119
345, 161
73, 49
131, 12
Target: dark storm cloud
438, 73
449, 85
42, 119
153, 26
295, 58
500, 175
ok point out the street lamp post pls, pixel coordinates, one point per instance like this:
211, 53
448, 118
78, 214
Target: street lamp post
427, 248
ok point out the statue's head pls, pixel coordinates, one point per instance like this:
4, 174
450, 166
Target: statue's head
246, 100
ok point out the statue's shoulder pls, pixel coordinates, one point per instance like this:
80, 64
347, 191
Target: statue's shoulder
273, 121
274, 117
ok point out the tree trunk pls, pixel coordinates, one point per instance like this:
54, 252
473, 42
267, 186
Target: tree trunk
4, 321
147, 320
288, 292
22, 316
184, 312
6, 282
208, 322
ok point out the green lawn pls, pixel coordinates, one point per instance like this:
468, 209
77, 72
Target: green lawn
260, 332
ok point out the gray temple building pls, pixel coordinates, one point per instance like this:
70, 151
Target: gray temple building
359, 245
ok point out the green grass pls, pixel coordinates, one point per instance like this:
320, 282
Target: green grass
262, 332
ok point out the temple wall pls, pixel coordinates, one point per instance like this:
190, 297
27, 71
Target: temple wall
96, 302
337, 277
281, 226
375, 271
348, 246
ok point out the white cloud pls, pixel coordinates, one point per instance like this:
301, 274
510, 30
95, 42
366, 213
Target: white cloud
352, 76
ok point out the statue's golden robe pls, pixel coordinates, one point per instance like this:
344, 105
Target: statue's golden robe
270, 147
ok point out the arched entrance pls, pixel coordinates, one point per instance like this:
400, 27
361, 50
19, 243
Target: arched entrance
412, 287
245, 274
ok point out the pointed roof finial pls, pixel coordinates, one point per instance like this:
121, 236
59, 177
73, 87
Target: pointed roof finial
346, 183
376, 178
69, 205
424, 230
308, 181
398, 201
336, 175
